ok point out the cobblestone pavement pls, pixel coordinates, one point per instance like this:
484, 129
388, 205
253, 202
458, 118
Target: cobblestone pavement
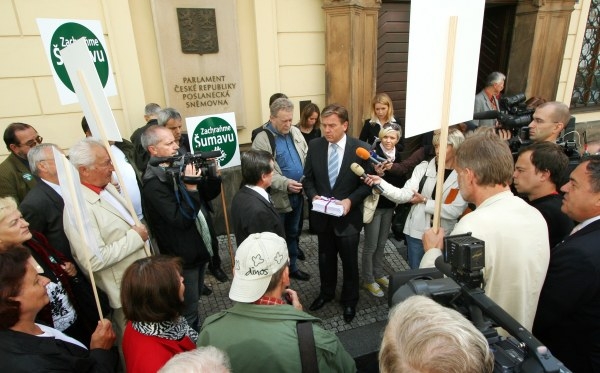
370, 309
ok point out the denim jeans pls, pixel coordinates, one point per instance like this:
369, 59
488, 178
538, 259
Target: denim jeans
415, 251
291, 222
191, 278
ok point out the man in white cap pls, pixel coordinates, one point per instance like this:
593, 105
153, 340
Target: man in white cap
260, 332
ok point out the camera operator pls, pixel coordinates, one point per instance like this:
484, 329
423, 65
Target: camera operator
538, 175
178, 213
549, 119
567, 318
424, 336
515, 234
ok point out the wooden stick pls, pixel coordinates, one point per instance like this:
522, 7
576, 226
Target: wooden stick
81, 229
103, 136
445, 119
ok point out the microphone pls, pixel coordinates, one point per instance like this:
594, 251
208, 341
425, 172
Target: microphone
490, 114
363, 153
156, 161
374, 155
444, 267
360, 172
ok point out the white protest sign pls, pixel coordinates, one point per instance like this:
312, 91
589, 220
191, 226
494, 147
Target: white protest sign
57, 34
90, 94
428, 44
215, 132
75, 205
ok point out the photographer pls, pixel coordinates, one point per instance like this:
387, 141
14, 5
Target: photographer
178, 213
515, 234
439, 340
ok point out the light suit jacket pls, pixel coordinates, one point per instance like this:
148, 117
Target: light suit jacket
117, 242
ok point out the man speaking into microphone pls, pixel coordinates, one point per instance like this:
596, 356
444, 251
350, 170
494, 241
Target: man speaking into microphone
327, 174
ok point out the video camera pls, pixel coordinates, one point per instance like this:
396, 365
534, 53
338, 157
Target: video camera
175, 166
463, 262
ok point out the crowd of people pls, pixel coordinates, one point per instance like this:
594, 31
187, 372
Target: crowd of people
125, 293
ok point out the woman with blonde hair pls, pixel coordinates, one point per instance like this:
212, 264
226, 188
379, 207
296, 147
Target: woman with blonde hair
382, 113
420, 191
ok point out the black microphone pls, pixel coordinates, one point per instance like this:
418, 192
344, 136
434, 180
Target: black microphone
444, 267
360, 172
490, 114
363, 153
157, 161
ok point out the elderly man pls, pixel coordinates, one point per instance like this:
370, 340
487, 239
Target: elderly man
261, 332
515, 234
289, 148
43, 206
487, 98
171, 119
15, 176
549, 119
421, 335
567, 319
141, 155
178, 214
538, 175
328, 175
119, 241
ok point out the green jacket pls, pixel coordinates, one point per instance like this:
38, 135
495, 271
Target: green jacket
15, 178
264, 339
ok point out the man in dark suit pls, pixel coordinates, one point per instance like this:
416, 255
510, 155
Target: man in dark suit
141, 155
327, 174
567, 319
43, 206
252, 210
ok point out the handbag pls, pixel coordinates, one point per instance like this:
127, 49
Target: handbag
369, 207
401, 214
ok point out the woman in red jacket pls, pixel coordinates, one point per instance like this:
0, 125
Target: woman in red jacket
152, 298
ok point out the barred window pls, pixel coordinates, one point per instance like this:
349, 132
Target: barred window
586, 90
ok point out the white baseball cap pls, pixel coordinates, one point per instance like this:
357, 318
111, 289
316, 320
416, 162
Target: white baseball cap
256, 260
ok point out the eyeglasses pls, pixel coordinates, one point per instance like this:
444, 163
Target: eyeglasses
34, 142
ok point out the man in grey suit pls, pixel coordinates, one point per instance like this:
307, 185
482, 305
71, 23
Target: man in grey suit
487, 98
327, 174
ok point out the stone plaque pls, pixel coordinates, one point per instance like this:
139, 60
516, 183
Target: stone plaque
201, 76
198, 30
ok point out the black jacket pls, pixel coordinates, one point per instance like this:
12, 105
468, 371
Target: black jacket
21, 352
172, 222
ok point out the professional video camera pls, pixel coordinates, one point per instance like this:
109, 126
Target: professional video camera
463, 263
175, 166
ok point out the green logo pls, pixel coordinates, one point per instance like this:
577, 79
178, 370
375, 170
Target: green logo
215, 134
69, 33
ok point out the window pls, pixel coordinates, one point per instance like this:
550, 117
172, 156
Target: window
586, 90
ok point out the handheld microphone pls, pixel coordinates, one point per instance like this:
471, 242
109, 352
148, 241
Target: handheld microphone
374, 155
156, 161
490, 114
363, 153
360, 172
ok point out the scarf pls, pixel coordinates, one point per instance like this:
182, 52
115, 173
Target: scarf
172, 330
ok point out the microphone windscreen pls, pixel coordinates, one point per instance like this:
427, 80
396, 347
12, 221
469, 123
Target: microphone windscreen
357, 169
363, 153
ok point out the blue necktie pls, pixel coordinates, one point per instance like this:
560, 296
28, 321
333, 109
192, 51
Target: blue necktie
334, 161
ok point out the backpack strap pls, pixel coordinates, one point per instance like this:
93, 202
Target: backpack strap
308, 351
